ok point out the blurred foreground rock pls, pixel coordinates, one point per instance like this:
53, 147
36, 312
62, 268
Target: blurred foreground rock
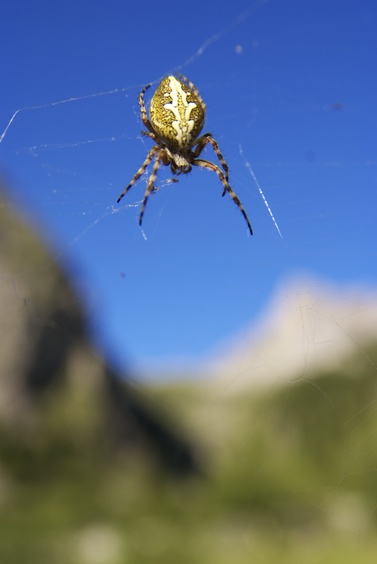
54, 387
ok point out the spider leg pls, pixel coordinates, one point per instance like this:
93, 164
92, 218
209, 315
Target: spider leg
210, 166
144, 115
152, 136
202, 142
150, 185
137, 175
143, 110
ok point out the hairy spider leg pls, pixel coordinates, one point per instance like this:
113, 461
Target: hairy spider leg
151, 181
210, 166
137, 175
144, 115
202, 142
152, 136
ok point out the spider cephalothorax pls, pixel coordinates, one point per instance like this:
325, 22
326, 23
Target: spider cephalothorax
176, 118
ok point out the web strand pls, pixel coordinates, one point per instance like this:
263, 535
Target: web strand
219, 35
248, 166
59, 102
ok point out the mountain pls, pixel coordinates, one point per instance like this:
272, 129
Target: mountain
309, 325
59, 398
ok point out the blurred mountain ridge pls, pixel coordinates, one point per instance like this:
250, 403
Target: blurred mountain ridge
310, 325
60, 399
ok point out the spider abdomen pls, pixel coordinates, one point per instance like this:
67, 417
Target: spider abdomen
177, 113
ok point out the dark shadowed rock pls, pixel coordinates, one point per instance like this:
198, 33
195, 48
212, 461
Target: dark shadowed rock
52, 382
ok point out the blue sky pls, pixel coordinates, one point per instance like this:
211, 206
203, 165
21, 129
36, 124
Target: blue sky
290, 88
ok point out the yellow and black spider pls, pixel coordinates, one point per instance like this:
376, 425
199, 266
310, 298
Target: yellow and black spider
176, 118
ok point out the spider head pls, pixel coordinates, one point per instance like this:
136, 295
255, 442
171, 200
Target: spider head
179, 164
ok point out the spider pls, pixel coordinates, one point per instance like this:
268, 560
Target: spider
176, 118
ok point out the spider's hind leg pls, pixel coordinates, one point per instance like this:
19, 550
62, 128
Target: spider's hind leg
143, 110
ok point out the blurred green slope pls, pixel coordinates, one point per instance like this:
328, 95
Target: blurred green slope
289, 475
286, 475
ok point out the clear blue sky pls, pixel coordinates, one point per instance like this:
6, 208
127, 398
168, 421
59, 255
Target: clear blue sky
291, 82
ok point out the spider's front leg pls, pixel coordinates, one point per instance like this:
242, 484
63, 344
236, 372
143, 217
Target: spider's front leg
150, 185
202, 142
137, 175
210, 166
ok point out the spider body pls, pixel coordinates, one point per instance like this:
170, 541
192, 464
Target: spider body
176, 119
177, 114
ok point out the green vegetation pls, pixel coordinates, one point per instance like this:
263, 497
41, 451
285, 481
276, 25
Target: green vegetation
289, 476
